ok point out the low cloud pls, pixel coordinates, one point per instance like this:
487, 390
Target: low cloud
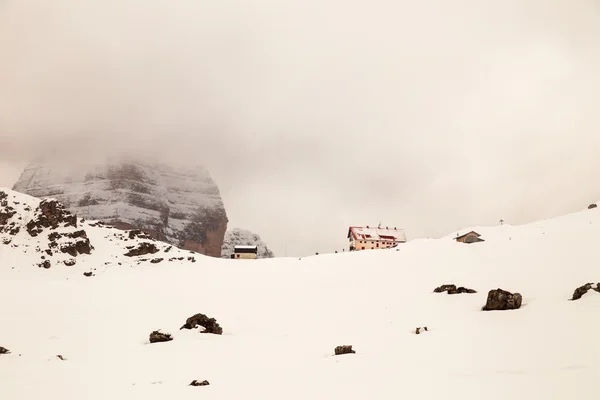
314, 115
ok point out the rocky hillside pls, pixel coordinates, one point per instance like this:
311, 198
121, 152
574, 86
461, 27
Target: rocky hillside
180, 206
242, 237
42, 233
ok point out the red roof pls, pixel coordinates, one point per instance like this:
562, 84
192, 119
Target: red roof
362, 233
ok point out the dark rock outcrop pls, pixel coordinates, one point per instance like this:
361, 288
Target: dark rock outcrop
181, 206
593, 205
142, 249
4, 350
6, 211
210, 325
157, 337
452, 289
345, 349
199, 383
499, 299
50, 214
580, 291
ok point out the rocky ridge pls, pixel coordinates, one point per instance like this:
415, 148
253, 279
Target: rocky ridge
50, 236
181, 206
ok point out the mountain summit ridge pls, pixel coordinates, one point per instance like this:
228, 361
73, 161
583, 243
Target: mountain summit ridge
178, 205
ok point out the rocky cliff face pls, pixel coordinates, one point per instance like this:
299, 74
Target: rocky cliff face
181, 206
242, 237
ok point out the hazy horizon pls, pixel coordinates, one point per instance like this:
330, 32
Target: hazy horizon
315, 115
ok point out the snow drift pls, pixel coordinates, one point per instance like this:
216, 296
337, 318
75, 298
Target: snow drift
283, 318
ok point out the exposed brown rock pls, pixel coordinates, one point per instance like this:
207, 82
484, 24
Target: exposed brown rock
452, 289
210, 325
345, 349
88, 274
593, 205
499, 299
50, 214
142, 249
4, 350
6, 211
156, 260
197, 383
157, 337
580, 291
138, 233
45, 264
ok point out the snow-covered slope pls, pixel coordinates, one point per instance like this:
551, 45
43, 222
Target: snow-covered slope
180, 205
243, 237
282, 319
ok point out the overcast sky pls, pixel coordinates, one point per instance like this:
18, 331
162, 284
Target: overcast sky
313, 115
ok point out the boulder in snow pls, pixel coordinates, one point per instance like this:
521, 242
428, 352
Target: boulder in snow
580, 291
452, 289
199, 383
593, 205
499, 299
142, 249
157, 337
210, 325
345, 349
4, 350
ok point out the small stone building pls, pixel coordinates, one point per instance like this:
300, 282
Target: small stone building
470, 237
245, 252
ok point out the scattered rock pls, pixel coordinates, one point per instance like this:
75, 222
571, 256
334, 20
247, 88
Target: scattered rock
70, 262
192, 259
452, 289
137, 233
142, 249
156, 260
88, 274
418, 330
61, 358
157, 337
210, 325
346, 349
81, 246
499, 299
593, 205
4, 350
196, 383
45, 264
50, 214
580, 291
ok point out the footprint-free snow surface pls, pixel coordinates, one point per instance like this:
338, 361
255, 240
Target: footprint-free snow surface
282, 318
